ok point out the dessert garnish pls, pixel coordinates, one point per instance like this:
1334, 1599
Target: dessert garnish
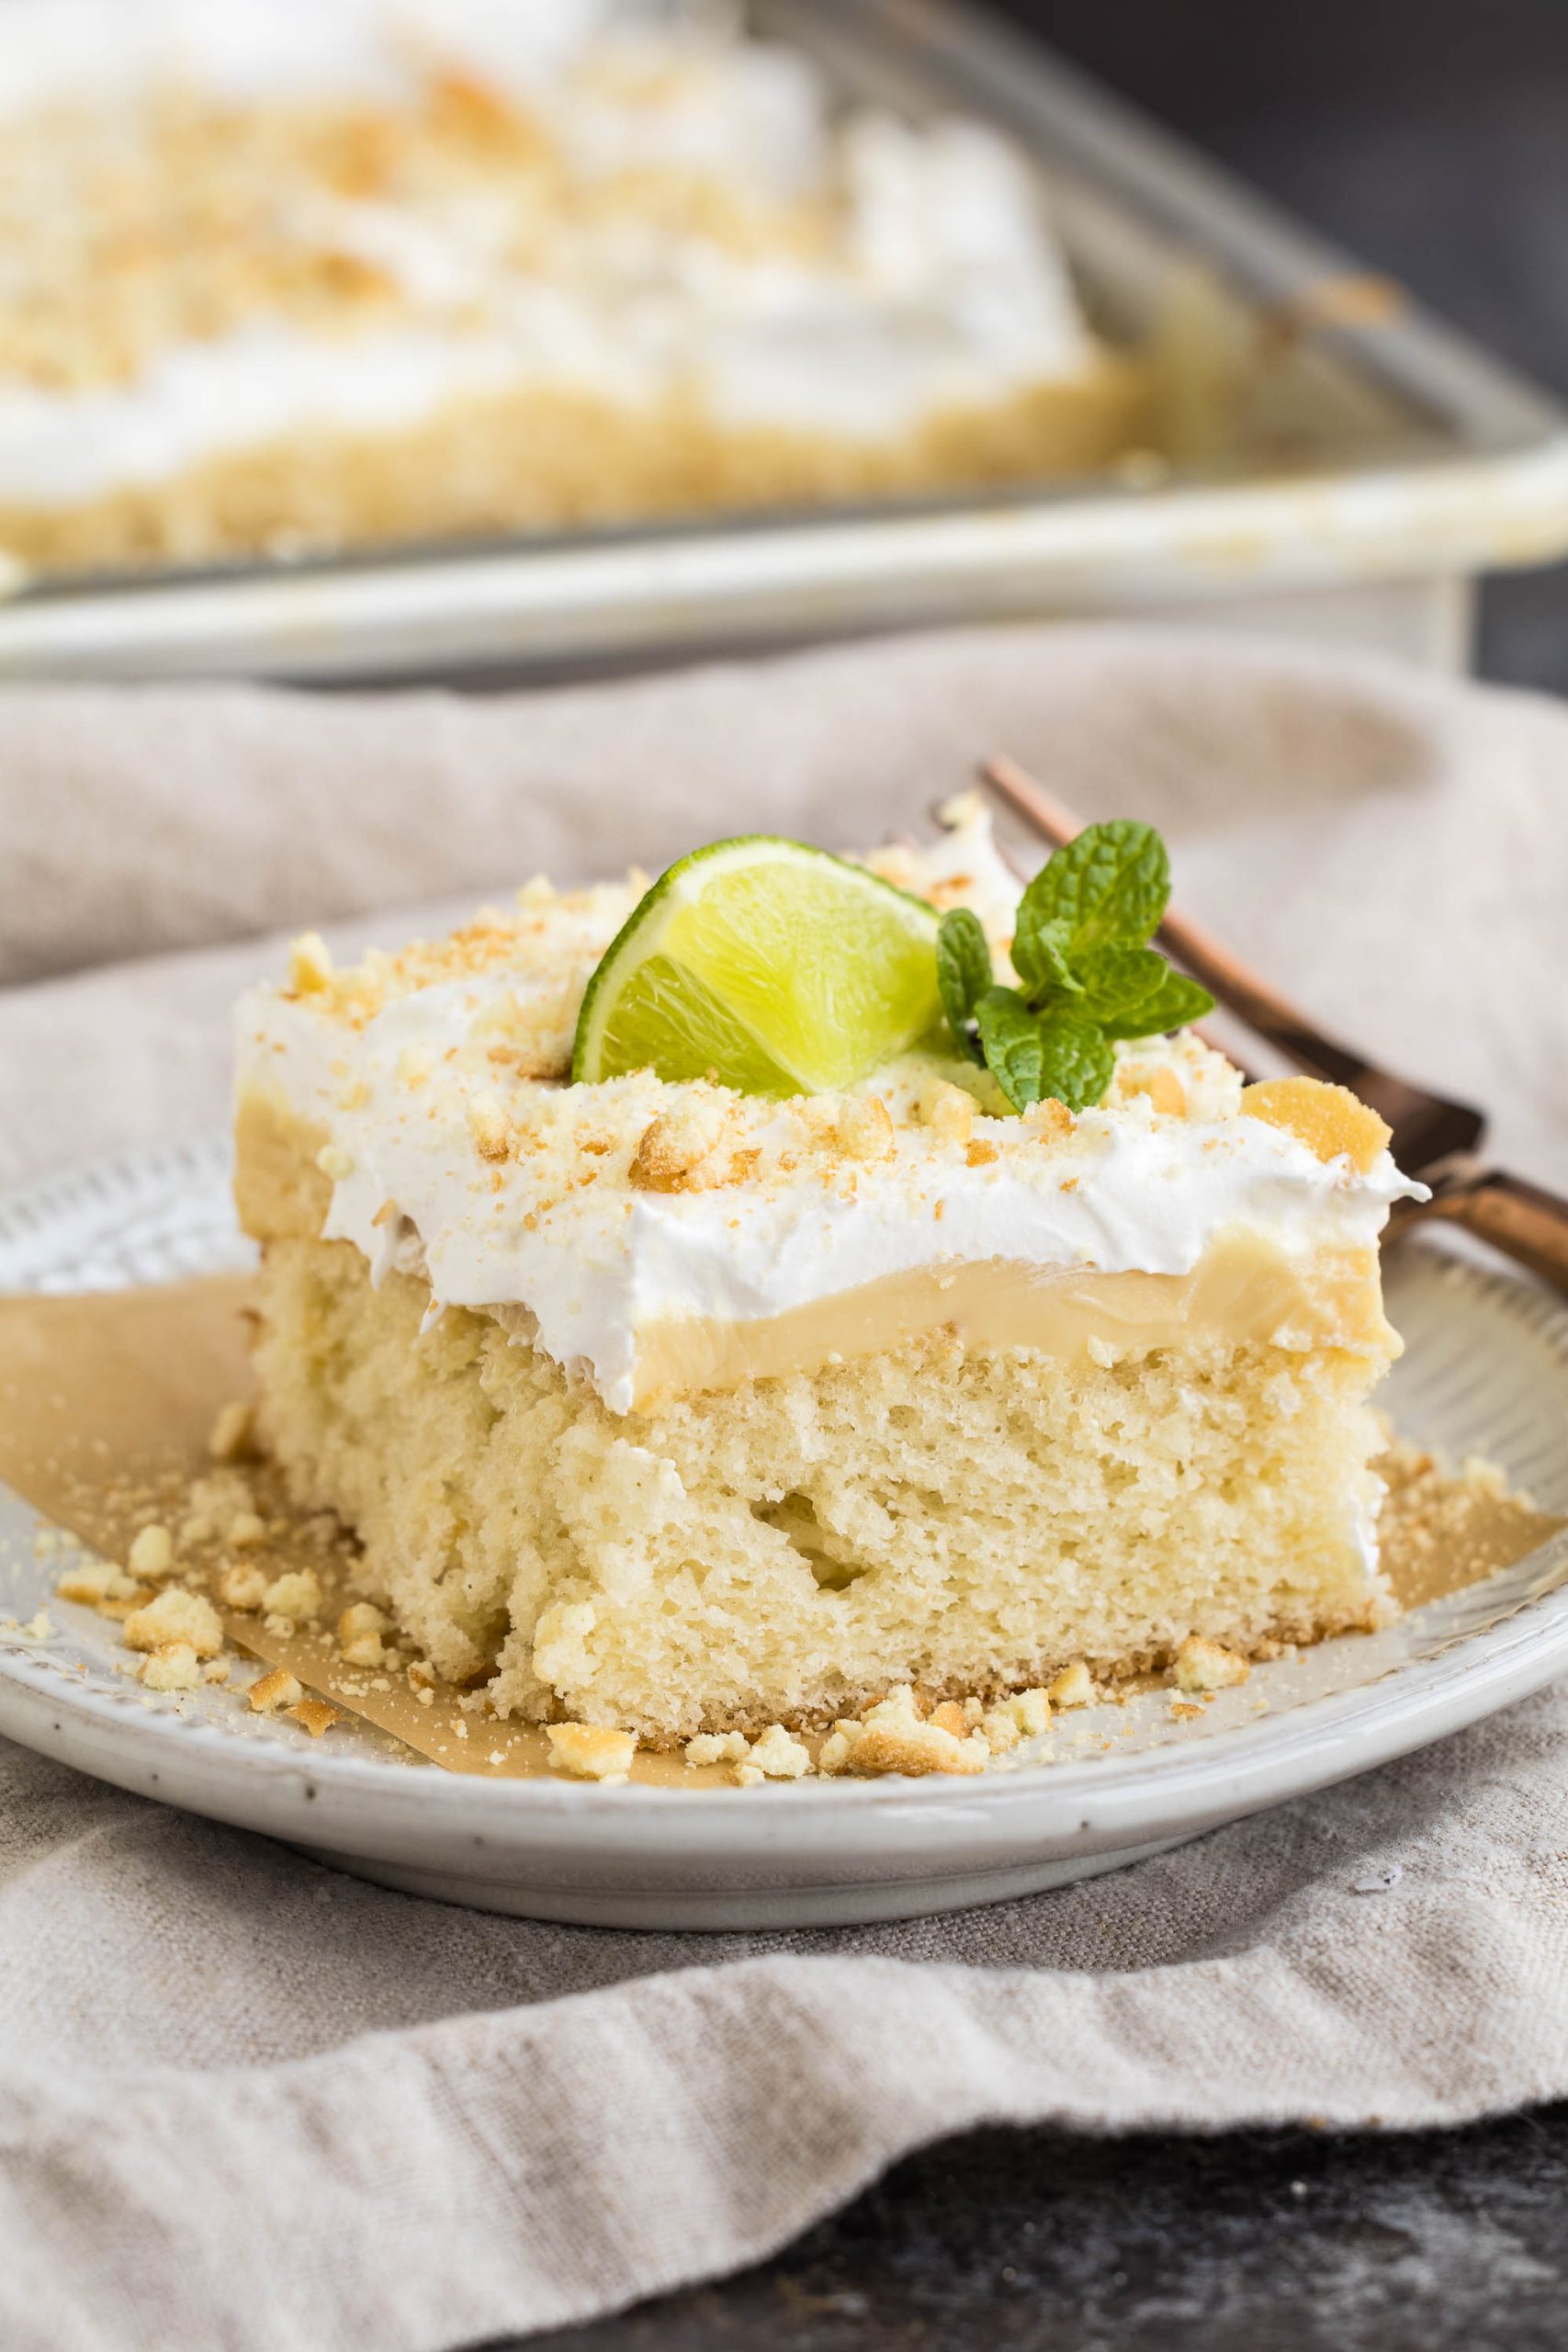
767, 966
1087, 975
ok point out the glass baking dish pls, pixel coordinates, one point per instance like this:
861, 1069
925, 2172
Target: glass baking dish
1337, 465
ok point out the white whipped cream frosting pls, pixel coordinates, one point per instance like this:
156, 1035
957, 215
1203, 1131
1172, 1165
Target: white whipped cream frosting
949, 290
594, 1263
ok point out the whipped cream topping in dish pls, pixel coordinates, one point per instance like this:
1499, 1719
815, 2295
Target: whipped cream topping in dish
689, 225
451, 1155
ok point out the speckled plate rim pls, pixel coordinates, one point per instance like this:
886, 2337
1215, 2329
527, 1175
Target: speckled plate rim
162, 1210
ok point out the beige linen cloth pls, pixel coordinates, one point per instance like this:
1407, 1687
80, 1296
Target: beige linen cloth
248, 2102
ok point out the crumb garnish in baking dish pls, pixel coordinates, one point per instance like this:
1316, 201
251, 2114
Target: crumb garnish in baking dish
392, 273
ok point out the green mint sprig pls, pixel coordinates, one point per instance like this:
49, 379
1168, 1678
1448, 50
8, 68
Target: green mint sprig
1086, 976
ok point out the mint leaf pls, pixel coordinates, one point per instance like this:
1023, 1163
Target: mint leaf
1034, 1054
963, 972
1177, 1002
1086, 976
1040, 957
1107, 885
1010, 1039
1116, 981
1077, 1062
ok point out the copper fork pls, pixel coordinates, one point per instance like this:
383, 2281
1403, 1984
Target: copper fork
1433, 1138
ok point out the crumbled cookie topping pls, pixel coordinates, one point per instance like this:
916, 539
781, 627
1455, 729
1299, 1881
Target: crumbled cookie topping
590, 1751
892, 1737
151, 1554
173, 1667
1203, 1665
276, 1690
1329, 1119
176, 1616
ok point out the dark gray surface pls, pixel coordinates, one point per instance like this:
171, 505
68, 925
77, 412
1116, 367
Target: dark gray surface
1427, 137
1286, 2242
1431, 138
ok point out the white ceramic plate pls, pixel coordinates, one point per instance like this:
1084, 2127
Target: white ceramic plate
1485, 1368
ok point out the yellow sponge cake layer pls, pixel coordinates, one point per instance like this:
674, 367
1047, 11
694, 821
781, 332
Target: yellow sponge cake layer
963, 1520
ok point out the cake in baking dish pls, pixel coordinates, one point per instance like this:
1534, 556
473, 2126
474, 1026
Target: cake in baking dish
281, 276
683, 1407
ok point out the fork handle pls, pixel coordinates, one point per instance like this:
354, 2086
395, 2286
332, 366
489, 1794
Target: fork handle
1525, 1221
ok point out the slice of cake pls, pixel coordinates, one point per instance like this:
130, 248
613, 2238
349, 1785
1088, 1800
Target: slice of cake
280, 276
682, 1406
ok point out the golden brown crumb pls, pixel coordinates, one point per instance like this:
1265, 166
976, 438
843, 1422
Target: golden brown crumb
680, 1150
216, 1670
950, 1716
241, 1587
488, 1125
359, 1633
246, 1529
1023, 1714
278, 1688
1029, 1709
1329, 1119
176, 1616
1159, 1083
296, 1595
173, 1667
532, 1036
865, 1128
946, 1111
718, 1747
590, 1751
232, 1432
90, 1585
124, 1598
1050, 1120
152, 1556
999, 1731
1074, 1687
891, 1738
920, 1749
1202, 1665
778, 1756
309, 965
315, 1714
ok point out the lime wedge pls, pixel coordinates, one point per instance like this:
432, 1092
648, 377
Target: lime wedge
777, 968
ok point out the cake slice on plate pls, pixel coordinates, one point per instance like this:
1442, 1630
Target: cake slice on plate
723, 1304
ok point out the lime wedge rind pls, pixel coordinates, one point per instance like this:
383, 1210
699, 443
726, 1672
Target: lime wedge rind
776, 967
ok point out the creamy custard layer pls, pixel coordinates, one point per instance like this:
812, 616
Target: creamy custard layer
1244, 1290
